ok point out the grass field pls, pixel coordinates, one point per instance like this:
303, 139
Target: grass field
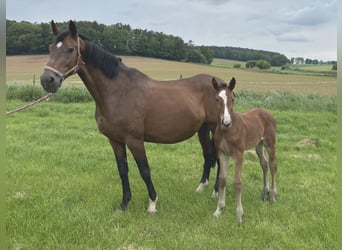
22, 69
63, 185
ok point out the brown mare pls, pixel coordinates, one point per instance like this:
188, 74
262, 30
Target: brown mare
236, 133
132, 108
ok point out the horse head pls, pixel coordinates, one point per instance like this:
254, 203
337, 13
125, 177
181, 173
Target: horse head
64, 57
225, 99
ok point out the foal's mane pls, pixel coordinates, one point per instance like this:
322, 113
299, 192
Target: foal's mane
96, 55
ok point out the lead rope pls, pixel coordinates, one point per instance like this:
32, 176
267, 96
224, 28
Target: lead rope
46, 97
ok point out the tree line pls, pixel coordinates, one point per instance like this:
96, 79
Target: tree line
121, 39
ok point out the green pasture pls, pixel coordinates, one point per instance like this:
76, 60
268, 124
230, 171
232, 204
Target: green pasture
63, 185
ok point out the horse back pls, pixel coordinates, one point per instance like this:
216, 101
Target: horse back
255, 125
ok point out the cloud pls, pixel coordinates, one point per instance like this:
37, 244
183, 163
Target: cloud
293, 37
313, 14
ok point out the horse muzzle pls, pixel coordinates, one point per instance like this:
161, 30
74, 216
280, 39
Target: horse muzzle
50, 81
226, 124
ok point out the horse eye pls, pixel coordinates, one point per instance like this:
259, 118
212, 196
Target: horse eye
70, 50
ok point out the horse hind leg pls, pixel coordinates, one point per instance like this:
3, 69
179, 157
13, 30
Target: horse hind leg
264, 166
273, 167
209, 155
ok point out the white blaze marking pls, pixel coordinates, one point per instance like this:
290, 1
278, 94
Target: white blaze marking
226, 116
59, 44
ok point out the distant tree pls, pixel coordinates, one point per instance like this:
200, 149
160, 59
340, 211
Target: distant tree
299, 60
308, 61
263, 64
251, 64
208, 53
243, 54
28, 38
196, 56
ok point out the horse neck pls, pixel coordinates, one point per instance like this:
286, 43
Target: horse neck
98, 85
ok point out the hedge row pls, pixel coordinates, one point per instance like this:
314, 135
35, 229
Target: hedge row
280, 100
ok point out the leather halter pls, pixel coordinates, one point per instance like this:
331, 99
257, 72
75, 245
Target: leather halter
71, 71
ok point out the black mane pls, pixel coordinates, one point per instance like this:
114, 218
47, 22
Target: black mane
96, 55
101, 58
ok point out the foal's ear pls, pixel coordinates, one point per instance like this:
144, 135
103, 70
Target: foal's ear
54, 28
232, 84
215, 84
72, 29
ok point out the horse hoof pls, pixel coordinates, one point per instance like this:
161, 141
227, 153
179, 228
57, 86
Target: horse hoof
218, 211
214, 194
152, 207
265, 195
217, 214
120, 208
202, 186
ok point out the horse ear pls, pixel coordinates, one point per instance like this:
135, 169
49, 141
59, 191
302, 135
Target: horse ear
54, 28
215, 84
72, 29
232, 84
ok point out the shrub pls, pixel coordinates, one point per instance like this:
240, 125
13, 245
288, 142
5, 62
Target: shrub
251, 64
263, 64
237, 66
24, 93
72, 94
28, 93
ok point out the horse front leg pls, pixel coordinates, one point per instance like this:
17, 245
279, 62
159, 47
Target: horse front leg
223, 162
138, 151
121, 161
237, 183
209, 155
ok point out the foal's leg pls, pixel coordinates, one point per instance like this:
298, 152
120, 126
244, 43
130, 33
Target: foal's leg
273, 167
216, 186
264, 165
138, 150
238, 156
209, 154
121, 161
223, 162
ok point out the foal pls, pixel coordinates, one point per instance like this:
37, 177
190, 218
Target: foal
236, 133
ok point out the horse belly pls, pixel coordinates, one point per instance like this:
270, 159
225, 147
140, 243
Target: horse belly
172, 129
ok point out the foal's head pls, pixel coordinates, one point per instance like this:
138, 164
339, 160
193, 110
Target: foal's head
225, 99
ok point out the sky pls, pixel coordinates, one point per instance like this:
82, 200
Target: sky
295, 28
